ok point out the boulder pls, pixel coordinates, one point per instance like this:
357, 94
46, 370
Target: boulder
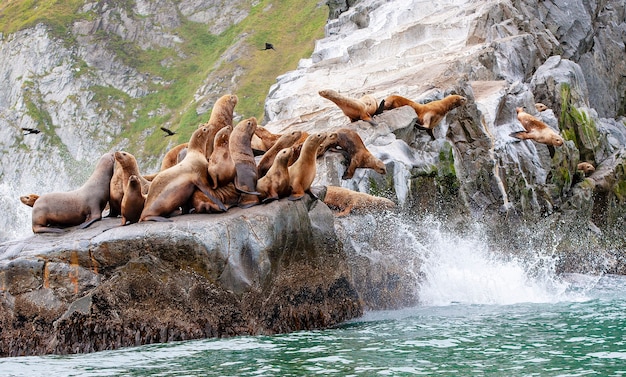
268, 269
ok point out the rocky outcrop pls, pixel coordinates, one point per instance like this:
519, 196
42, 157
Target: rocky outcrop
500, 55
268, 269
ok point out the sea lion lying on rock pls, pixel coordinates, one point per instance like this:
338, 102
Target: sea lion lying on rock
173, 187
346, 201
82, 206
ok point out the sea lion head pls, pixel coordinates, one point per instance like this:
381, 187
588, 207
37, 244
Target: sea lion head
586, 168
459, 100
123, 158
133, 181
29, 199
556, 140
329, 142
380, 167
284, 156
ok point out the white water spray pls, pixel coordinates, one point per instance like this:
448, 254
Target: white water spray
465, 270
443, 267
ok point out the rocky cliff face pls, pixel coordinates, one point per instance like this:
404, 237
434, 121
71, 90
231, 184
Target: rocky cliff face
500, 55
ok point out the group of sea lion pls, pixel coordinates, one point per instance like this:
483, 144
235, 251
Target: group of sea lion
217, 168
213, 172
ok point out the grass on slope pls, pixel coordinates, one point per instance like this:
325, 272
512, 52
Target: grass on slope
291, 25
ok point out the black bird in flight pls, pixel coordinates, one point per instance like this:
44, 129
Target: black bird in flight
28, 131
168, 132
268, 46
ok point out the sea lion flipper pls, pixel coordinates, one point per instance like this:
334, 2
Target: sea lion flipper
380, 108
212, 197
431, 133
157, 218
519, 135
88, 223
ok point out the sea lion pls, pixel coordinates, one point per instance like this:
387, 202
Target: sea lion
82, 206
585, 167
275, 184
262, 140
173, 187
354, 151
227, 194
221, 166
125, 166
133, 200
285, 141
29, 199
302, 172
430, 114
356, 109
346, 201
535, 129
240, 148
172, 157
221, 116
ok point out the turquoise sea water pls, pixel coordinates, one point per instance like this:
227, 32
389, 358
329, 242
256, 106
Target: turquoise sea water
581, 331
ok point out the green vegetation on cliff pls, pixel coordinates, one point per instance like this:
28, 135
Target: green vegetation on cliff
177, 74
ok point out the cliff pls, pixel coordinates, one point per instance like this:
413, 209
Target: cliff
500, 55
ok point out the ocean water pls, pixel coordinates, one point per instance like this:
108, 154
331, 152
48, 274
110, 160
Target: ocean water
479, 315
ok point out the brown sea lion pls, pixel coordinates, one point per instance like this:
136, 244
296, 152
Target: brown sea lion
227, 194
221, 166
241, 153
129, 166
354, 151
125, 166
297, 147
221, 116
535, 129
302, 172
173, 187
356, 109
172, 157
430, 114
263, 140
585, 167
82, 206
275, 184
285, 141
133, 200
346, 201
29, 199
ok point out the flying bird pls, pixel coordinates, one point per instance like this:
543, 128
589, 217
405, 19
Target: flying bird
29, 131
268, 46
168, 132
